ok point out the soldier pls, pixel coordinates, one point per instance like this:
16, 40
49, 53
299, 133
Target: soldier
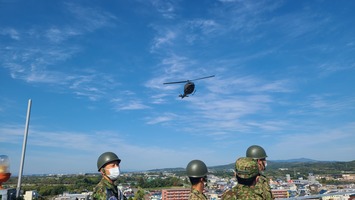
262, 186
247, 172
197, 172
108, 164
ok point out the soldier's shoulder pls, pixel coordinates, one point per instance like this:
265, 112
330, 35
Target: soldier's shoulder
229, 194
99, 187
99, 191
98, 194
196, 195
248, 193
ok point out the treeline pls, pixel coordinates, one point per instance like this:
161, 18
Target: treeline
160, 182
302, 169
297, 168
319, 167
55, 185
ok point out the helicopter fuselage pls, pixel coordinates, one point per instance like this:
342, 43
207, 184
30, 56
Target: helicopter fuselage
188, 89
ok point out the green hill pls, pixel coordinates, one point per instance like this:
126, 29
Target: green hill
280, 168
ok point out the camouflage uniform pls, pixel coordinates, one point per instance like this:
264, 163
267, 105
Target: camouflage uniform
247, 193
262, 188
196, 195
245, 168
230, 194
241, 192
105, 190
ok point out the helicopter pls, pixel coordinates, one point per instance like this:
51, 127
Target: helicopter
189, 87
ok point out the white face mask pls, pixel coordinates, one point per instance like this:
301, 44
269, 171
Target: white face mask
114, 173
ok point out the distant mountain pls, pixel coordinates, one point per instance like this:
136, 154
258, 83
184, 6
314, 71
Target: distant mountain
304, 160
276, 162
270, 163
176, 169
300, 164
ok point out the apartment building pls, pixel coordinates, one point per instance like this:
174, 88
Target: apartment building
175, 194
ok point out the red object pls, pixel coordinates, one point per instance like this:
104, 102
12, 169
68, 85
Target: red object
3, 178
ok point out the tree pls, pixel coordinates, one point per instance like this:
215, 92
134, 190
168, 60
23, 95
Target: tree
139, 195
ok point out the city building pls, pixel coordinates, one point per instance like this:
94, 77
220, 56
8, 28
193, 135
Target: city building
67, 196
280, 193
29, 195
175, 194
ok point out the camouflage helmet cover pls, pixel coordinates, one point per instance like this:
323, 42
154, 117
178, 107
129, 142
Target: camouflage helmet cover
196, 169
256, 152
106, 158
246, 167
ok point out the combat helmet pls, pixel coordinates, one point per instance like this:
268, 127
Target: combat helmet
246, 168
105, 158
196, 169
256, 152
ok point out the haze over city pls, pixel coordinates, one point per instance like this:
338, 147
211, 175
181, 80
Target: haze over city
284, 80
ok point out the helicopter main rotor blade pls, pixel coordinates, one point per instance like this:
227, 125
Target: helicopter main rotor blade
176, 82
203, 78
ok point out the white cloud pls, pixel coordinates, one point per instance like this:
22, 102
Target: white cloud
173, 68
321, 104
165, 7
251, 84
36, 59
91, 18
87, 147
206, 26
164, 39
130, 105
313, 144
327, 69
159, 99
10, 133
166, 117
58, 35
11, 32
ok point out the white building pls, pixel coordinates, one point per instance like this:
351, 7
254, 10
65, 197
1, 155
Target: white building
29, 195
67, 196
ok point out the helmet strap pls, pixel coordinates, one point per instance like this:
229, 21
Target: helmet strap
103, 172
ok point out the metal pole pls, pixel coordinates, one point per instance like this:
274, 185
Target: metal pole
23, 148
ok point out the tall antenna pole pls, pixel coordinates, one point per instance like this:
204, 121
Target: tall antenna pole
23, 149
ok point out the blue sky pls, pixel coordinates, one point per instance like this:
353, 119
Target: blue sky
284, 79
